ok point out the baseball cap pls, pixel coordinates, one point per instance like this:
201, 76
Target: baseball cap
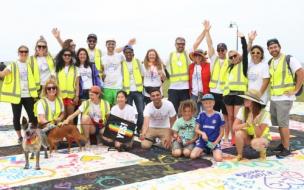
207, 97
272, 41
92, 36
95, 89
128, 47
221, 46
110, 40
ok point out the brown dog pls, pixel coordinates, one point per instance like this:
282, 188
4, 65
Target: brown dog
70, 132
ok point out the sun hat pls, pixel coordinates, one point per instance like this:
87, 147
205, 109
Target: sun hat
197, 52
253, 95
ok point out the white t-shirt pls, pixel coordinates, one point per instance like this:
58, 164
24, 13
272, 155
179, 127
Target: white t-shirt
266, 120
92, 55
44, 70
177, 85
159, 118
212, 61
151, 78
129, 113
255, 74
22, 67
132, 80
294, 66
94, 111
112, 70
86, 77
40, 108
197, 85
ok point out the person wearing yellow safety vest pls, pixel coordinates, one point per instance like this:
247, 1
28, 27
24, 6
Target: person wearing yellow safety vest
94, 53
49, 109
252, 124
68, 80
132, 70
286, 79
177, 67
19, 88
95, 112
235, 82
153, 72
218, 66
42, 63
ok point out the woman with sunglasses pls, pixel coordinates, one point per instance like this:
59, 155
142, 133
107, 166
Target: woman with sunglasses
95, 112
50, 107
154, 74
19, 88
42, 63
258, 69
235, 82
68, 80
89, 75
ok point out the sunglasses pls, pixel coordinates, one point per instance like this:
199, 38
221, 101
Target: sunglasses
41, 47
23, 51
255, 52
67, 55
221, 50
233, 56
180, 44
51, 88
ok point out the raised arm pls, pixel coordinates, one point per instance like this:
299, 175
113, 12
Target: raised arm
209, 39
56, 34
245, 53
251, 37
131, 42
200, 38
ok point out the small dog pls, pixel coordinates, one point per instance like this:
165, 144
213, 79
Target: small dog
70, 132
32, 142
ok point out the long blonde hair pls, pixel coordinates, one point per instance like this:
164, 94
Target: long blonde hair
51, 80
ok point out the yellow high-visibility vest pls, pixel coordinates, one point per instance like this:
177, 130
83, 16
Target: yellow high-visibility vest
67, 83
97, 59
218, 74
236, 80
11, 89
49, 115
104, 108
136, 74
281, 79
179, 73
35, 68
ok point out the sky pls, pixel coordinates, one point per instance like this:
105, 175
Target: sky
154, 23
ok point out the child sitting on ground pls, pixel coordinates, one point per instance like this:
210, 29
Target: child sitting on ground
209, 126
183, 130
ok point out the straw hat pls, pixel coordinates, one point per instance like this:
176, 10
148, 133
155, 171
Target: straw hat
253, 95
198, 52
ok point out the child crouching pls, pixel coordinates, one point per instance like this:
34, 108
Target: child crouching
209, 126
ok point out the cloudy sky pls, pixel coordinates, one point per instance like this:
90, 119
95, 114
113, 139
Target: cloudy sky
154, 23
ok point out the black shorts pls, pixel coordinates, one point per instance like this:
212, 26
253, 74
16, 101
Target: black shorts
233, 100
219, 103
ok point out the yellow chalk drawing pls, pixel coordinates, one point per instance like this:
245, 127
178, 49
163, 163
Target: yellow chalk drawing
87, 158
216, 184
48, 173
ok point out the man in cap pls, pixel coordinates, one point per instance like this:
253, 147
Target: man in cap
286, 79
94, 53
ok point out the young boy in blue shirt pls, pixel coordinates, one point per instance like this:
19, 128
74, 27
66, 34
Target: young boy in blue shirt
210, 128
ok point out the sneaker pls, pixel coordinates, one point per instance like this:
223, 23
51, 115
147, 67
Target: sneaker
20, 140
283, 153
279, 148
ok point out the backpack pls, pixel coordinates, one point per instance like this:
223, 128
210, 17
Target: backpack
294, 77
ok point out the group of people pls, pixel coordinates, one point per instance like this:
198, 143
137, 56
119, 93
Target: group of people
224, 90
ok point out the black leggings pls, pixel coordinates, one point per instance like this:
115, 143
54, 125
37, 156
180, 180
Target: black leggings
28, 104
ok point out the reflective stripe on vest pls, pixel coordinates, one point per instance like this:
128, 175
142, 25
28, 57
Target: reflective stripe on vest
11, 90
281, 80
49, 115
218, 74
103, 105
36, 71
136, 75
67, 82
179, 73
97, 59
236, 80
